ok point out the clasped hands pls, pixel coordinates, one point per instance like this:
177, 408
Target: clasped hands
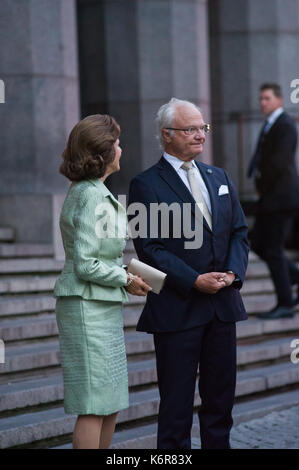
211, 283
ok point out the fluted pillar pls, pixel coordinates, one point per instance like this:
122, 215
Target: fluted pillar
38, 49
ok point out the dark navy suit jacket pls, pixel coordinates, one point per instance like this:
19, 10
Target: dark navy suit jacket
278, 182
180, 306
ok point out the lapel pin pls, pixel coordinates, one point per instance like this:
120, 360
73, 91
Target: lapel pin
209, 171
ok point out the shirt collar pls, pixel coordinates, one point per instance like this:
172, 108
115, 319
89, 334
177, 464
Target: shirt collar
275, 115
175, 161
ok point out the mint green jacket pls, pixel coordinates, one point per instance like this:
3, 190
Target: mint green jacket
93, 226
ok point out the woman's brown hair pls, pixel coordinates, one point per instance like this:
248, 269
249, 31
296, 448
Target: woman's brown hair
90, 148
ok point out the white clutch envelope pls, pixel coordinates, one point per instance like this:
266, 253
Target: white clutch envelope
152, 276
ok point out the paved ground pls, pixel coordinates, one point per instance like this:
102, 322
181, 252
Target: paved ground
278, 430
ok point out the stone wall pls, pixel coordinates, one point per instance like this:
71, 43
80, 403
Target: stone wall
135, 56
251, 42
38, 50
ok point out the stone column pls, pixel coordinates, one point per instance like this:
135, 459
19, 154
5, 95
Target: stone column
38, 49
142, 53
251, 42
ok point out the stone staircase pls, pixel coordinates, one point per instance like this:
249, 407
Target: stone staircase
31, 387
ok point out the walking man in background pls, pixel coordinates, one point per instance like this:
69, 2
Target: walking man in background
194, 316
276, 180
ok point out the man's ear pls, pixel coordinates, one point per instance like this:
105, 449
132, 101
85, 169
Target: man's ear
166, 135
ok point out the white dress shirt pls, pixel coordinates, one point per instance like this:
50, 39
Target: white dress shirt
176, 164
273, 117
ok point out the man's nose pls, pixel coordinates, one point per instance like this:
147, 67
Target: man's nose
200, 134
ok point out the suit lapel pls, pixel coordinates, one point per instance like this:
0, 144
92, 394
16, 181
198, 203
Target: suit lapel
170, 176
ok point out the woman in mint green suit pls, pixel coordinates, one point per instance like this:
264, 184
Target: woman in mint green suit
93, 284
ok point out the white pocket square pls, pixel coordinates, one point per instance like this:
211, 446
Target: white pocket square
223, 190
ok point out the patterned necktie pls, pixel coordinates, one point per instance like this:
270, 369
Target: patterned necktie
196, 192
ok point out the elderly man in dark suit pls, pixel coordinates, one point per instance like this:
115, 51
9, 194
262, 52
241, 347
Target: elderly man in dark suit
194, 317
276, 181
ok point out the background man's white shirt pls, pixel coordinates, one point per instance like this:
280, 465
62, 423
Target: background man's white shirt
273, 117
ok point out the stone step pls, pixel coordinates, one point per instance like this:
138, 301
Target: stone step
36, 303
46, 390
29, 327
29, 427
263, 379
25, 250
259, 269
40, 262
7, 234
267, 350
33, 265
16, 284
40, 258
47, 354
26, 284
145, 437
42, 423
19, 322
255, 327
254, 286
260, 303
42, 265
44, 325
291, 254
26, 304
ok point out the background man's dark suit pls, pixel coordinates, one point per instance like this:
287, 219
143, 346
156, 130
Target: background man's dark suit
277, 183
191, 327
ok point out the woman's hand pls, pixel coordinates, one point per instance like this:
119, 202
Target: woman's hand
137, 286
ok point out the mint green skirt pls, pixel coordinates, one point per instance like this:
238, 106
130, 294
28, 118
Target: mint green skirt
93, 356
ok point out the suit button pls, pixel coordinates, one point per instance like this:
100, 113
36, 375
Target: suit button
120, 255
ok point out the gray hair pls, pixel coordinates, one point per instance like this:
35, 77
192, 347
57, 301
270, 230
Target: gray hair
165, 116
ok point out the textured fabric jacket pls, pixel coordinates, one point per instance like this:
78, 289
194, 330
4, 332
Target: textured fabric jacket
93, 225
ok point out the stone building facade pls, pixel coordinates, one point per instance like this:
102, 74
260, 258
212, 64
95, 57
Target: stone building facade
61, 60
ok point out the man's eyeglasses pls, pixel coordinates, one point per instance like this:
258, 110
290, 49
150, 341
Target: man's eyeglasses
192, 130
